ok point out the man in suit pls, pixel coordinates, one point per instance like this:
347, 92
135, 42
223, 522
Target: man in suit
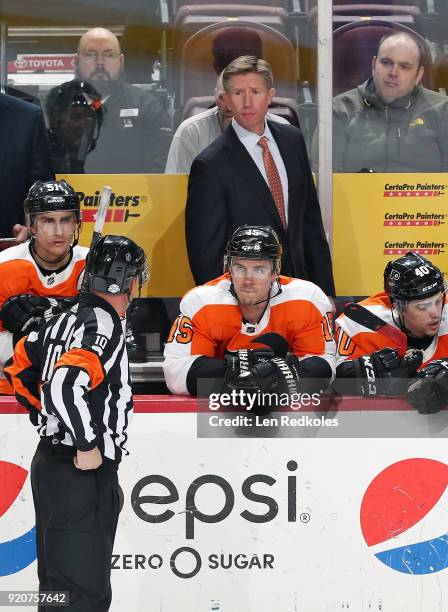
24, 159
242, 179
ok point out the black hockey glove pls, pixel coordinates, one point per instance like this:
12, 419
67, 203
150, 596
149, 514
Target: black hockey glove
269, 380
25, 313
381, 373
428, 392
244, 360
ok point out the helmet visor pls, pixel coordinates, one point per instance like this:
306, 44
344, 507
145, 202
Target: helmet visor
422, 317
53, 224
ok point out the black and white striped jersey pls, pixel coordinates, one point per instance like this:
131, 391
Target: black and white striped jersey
79, 362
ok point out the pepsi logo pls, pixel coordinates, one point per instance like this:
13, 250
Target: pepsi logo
17, 553
404, 516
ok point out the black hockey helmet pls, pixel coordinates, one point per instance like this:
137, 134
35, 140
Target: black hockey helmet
74, 93
113, 262
51, 196
412, 277
80, 101
254, 242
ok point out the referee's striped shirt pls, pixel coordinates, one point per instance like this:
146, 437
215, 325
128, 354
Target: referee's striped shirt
80, 360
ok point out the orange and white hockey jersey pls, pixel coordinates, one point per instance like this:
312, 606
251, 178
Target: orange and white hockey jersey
20, 274
210, 324
355, 340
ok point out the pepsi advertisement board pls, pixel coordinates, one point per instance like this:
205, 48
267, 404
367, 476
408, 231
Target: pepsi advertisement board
254, 524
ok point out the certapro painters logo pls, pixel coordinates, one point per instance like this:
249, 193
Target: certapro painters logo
410, 219
18, 553
419, 190
155, 499
122, 207
404, 516
401, 247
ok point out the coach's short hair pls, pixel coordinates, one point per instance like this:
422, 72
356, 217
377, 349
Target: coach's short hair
247, 64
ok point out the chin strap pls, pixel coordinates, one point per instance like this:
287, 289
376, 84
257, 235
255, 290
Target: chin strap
270, 297
34, 252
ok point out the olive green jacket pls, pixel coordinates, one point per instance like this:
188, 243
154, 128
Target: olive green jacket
408, 135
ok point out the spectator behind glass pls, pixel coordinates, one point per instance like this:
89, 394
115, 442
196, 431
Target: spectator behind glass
391, 123
75, 124
195, 133
24, 158
135, 133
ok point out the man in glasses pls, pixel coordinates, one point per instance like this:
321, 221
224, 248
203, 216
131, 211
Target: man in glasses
135, 133
412, 302
226, 325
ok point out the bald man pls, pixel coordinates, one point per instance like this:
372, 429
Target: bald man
391, 123
135, 134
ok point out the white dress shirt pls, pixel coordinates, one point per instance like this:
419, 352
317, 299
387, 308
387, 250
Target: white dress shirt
250, 142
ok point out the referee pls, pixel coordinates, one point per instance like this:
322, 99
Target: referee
82, 412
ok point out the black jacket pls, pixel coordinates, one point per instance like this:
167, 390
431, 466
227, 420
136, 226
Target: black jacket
135, 134
226, 190
24, 157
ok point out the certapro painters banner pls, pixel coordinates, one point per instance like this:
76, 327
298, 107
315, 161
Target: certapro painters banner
255, 525
378, 217
149, 208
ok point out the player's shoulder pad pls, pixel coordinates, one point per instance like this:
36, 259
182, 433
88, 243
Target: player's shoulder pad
298, 289
216, 293
19, 251
375, 306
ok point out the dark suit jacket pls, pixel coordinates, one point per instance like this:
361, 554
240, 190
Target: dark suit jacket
226, 190
24, 157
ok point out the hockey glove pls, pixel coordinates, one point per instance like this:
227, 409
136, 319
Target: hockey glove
268, 380
25, 313
244, 360
428, 393
382, 372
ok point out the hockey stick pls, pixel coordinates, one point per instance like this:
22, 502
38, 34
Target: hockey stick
98, 227
364, 317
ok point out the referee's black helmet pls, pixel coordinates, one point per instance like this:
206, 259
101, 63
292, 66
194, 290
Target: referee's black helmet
113, 262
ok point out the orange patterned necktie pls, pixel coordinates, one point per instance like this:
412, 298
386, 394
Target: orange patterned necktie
274, 181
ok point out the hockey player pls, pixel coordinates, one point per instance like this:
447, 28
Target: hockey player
83, 411
221, 330
413, 302
50, 264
